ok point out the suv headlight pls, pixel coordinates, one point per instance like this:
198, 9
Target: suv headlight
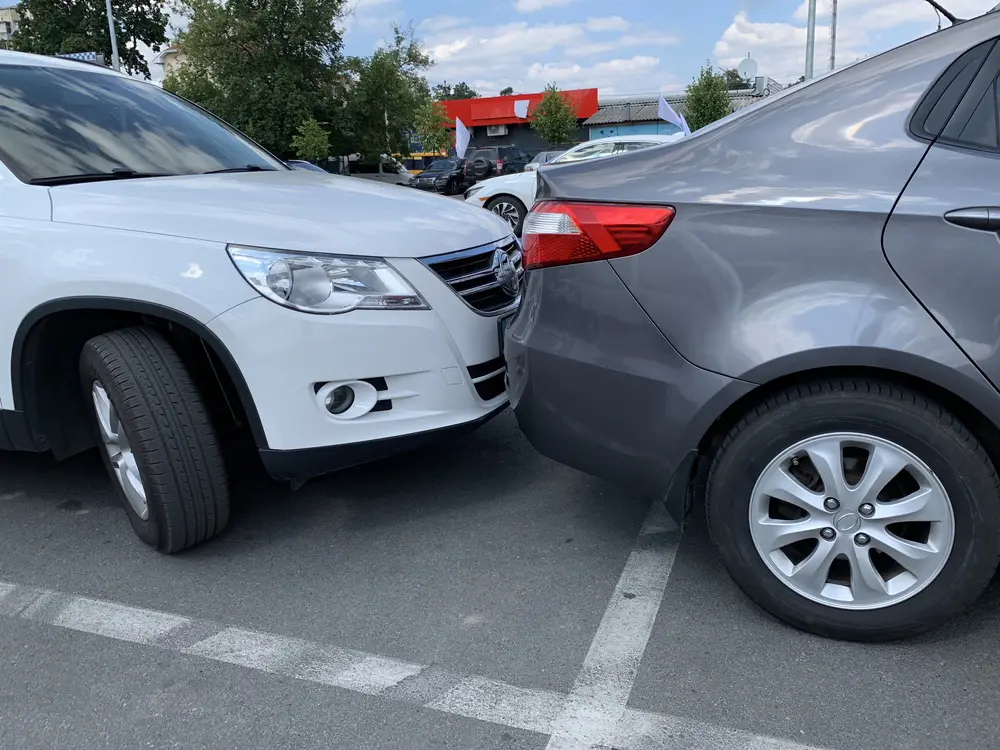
326, 284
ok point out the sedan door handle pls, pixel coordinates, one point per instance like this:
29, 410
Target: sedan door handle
983, 218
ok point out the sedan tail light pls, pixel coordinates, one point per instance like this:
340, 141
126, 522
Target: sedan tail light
499, 165
558, 234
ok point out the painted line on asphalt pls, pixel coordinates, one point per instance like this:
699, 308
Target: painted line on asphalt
432, 687
595, 706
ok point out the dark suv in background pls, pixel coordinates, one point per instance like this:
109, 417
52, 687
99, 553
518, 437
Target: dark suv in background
492, 161
446, 176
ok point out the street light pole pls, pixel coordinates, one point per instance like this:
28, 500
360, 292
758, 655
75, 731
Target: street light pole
833, 36
810, 39
114, 37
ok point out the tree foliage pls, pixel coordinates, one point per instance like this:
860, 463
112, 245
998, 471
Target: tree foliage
508, 91
434, 127
49, 27
554, 117
311, 142
734, 81
266, 66
461, 90
707, 98
387, 92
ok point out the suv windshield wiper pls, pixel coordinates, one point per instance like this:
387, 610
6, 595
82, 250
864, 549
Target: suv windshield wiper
247, 168
114, 174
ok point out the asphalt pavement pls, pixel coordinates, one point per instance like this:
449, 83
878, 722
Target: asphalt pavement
468, 595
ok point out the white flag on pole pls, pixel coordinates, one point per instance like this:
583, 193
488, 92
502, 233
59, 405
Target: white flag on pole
521, 108
461, 138
667, 113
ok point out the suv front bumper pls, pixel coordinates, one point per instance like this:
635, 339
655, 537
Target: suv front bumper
431, 378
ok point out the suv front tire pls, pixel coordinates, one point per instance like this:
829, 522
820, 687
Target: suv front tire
156, 438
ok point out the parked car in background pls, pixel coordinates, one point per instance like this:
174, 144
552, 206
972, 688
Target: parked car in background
809, 347
445, 176
307, 166
541, 158
336, 320
388, 171
489, 161
510, 196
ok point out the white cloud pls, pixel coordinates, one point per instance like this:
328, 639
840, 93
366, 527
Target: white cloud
530, 6
527, 56
864, 27
610, 23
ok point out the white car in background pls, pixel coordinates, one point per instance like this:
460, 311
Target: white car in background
510, 196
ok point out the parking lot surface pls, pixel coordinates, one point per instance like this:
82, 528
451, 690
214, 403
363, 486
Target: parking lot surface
469, 595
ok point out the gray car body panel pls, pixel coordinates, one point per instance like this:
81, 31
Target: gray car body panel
612, 397
773, 264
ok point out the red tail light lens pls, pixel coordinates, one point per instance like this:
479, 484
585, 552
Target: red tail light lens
499, 164
557, 233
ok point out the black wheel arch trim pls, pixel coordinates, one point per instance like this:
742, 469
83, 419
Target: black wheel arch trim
152, 309
970, 385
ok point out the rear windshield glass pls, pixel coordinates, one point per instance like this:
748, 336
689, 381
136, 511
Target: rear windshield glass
483, 153
58, 122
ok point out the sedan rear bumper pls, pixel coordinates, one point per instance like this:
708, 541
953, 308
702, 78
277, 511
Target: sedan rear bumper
596, 386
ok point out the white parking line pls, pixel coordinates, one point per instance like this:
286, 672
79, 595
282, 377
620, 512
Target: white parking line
597, 702
434, 688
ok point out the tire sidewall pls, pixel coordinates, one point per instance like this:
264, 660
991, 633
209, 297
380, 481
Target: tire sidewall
965, 477
91, 370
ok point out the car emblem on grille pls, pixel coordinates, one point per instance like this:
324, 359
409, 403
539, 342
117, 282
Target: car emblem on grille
506, 274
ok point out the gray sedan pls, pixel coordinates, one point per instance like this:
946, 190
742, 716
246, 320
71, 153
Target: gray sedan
792, 317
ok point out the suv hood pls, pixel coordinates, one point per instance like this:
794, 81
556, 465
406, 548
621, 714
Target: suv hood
293, 210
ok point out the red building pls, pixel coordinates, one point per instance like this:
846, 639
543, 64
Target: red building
494, 120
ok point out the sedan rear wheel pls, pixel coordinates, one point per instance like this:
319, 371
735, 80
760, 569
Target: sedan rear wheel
855, 509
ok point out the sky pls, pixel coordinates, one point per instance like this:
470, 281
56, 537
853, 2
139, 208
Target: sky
634, 46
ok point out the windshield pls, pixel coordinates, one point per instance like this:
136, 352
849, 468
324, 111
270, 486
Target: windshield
62, 123
441, 165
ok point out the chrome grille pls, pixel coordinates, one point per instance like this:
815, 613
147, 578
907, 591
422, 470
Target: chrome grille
476, 277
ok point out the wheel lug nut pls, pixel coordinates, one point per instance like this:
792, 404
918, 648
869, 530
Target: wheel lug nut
866, 509
861, 539
828, 533
831, 503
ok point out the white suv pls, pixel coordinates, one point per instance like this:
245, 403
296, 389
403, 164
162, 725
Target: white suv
166, 280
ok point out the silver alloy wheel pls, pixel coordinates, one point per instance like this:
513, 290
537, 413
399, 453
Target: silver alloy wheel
851, 521
120, 452
507, 212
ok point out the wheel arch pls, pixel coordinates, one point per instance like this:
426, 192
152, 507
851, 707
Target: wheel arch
33, 351
971, 397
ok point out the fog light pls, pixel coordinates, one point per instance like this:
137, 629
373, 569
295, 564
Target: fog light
340, 399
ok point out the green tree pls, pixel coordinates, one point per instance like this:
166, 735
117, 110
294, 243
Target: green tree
311, 142
434, 127
387, 92
266, 66
554, 117
734, 81
707, 98
461, 90
507, 91
50, 27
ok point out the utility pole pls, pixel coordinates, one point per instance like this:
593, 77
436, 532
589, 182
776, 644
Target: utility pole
115, 63
810, 39
833, 36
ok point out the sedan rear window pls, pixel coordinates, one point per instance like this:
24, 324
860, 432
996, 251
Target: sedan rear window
57, 122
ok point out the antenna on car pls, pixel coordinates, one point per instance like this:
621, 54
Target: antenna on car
941, 9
